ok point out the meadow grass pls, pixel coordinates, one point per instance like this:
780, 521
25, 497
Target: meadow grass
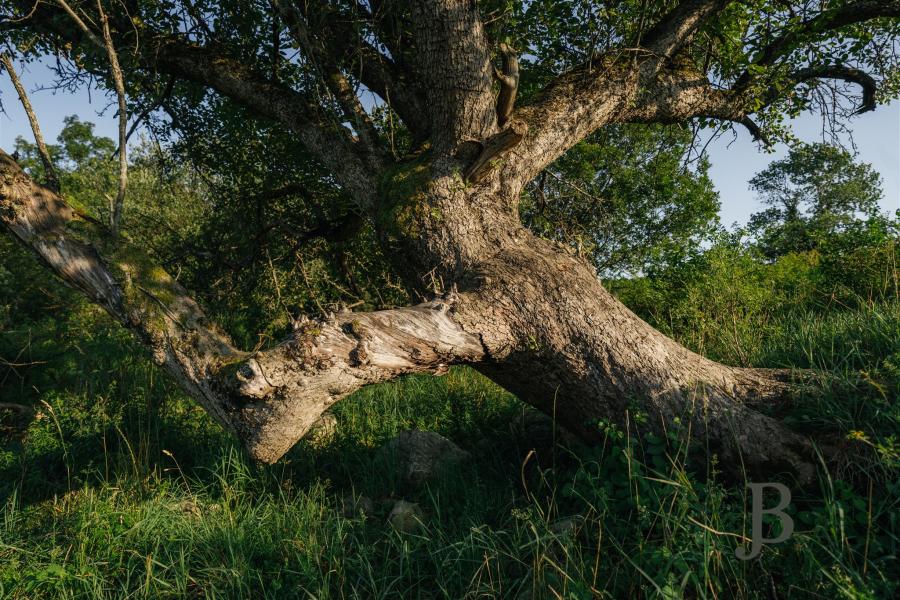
120, 487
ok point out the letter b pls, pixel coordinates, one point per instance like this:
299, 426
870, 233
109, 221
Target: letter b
787, 523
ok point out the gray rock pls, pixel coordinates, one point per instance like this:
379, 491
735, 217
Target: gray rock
540, 430
421, 455
405, 517
322, 431
355, 506
567, 527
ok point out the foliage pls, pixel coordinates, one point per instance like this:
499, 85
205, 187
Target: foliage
815, 193
625, 198
121, 486
115, 484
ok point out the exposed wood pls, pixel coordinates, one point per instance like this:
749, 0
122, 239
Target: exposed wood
268, 399
494, 148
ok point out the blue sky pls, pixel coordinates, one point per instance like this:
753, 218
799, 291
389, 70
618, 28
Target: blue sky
734, 161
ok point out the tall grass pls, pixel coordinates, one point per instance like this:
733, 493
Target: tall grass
121, 487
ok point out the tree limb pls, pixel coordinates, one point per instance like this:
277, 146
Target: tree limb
826, 21
336, 81
269, 399
119, 83
49, 169
494, 148
329, 142
508, 77
677, 27
849, 74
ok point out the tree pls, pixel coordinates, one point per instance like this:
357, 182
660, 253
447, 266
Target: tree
626, 198
490, 94
815, 193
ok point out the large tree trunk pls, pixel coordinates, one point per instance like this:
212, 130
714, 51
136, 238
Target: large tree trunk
524, 311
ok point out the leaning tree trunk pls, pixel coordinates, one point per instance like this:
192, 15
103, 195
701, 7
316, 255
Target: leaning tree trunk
522, 310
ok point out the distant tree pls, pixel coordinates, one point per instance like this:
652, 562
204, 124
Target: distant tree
816, 192
625, 198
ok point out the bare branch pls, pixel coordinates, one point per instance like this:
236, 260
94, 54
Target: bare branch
849, 74
106, 44
822, 23
331, 73
330, 143
49, 169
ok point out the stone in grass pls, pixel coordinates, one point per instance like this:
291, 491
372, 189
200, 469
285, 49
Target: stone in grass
405, 517
541, 431
567, 527
355, 506
323, 431
421, 455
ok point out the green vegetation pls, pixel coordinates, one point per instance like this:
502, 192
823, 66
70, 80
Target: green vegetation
114, 484
122, 486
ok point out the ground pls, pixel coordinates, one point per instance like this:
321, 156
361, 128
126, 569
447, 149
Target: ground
121, 486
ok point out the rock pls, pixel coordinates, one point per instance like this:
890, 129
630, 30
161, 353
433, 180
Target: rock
355, 506
405, 517
322, 431
540, 431
567, 527
421, 455
189, 508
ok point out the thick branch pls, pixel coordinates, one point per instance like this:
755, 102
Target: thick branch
324, 138
49, 169
848, 74
329, 142
268, 399
331, 73
508, 77
675, 29
291, 385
